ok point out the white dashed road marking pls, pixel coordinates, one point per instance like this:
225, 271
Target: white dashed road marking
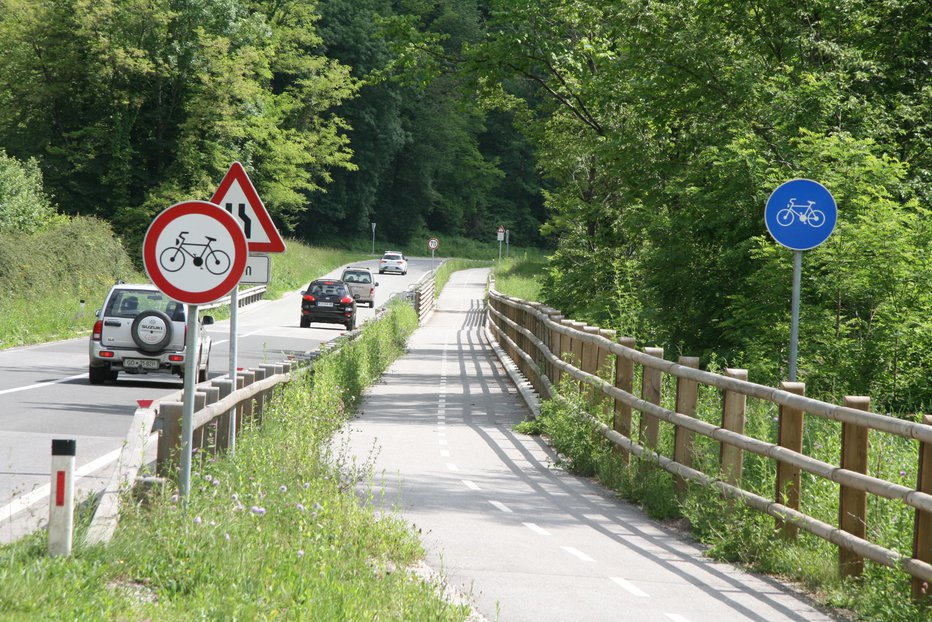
537, 529
470, 484
636, 591
501, 506
676, 617
577, 553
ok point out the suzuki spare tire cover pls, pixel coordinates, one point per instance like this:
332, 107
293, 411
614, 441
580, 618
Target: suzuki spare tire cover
152, 331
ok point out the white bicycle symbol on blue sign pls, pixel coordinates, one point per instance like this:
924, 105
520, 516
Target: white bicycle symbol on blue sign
806, 214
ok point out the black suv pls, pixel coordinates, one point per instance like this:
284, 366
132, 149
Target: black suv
330, 301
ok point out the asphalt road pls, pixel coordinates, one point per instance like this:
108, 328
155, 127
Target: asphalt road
45, 394
523, 539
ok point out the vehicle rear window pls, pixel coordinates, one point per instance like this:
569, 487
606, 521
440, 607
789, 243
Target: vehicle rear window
129, 303
357, 277
392, 257
329, 288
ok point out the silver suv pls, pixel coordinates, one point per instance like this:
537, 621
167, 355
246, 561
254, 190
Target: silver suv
140, 330
361, 284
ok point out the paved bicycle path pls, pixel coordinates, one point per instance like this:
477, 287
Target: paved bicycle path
522, 538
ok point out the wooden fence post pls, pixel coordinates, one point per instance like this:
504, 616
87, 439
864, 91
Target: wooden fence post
197, 435
555, 348
687, 397
246, 415
170, 438
609, 334
624, 380
852, 507
651, 383
790, 436
225, 388
922, 530
734, 407
590, 364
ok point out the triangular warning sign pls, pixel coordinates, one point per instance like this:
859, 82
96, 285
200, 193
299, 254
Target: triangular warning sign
238, 196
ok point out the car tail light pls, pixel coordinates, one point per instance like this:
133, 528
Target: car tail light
372, 292
98, 329
106, 354
310, 298
346, 300
176, 358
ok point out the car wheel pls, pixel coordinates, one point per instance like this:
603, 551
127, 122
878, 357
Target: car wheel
151, 331
305, 322
112, 375
96, 375
350, 323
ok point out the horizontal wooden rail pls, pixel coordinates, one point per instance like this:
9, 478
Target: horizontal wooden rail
521, 326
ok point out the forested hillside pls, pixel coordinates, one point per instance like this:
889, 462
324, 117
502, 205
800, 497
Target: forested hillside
640, 139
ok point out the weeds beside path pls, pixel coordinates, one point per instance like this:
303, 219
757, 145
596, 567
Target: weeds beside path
273, 532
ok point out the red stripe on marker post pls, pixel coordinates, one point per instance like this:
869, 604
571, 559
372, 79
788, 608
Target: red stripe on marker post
60, 489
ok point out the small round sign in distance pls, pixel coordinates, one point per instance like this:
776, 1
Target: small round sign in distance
194, 252
800, 214
433, 244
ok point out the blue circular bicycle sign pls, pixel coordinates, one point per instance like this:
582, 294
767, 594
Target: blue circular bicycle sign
801, 214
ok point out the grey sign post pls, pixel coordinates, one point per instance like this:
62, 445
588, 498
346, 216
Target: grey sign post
800, 214
373, 238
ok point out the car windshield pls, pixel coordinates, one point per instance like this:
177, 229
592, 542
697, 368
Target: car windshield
129, 303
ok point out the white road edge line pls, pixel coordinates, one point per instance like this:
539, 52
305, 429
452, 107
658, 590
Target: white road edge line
633, 589
8, 511
537, 529
501, 506
39, 385
577, 553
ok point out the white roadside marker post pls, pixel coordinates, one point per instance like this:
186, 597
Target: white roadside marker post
61, 501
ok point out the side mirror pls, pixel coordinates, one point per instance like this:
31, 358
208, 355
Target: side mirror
207, 320
97, 313
376, 283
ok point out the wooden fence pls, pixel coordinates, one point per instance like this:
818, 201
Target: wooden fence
546, 347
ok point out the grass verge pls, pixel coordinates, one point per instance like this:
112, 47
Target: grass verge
274, 532
520, 275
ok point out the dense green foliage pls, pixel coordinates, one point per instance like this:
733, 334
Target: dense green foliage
274, 531
658, 127
664, 125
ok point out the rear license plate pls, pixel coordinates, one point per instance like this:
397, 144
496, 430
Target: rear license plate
141, 363
324, 304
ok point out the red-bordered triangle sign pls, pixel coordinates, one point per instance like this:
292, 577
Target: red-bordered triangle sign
238, 196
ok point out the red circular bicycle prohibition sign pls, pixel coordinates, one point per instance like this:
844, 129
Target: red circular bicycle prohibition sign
195, 252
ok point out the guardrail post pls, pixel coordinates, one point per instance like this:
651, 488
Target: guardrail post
246, 415
922, 531
170, 437
210, 429
687, 396
734, 407
259, 407
852, 506
790, 436
224, 388
197, 436
624, 380
651, 383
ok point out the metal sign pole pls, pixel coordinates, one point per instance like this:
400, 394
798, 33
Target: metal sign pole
794, 313
431, 260
234, 342
187, 413
499, 250
507, 242
373, 238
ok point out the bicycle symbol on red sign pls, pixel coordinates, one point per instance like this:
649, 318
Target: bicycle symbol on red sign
174, 258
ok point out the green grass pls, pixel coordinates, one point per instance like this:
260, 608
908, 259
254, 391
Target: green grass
275, 532
520, 275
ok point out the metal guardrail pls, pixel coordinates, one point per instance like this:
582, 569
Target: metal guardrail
246, 297
541, 342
